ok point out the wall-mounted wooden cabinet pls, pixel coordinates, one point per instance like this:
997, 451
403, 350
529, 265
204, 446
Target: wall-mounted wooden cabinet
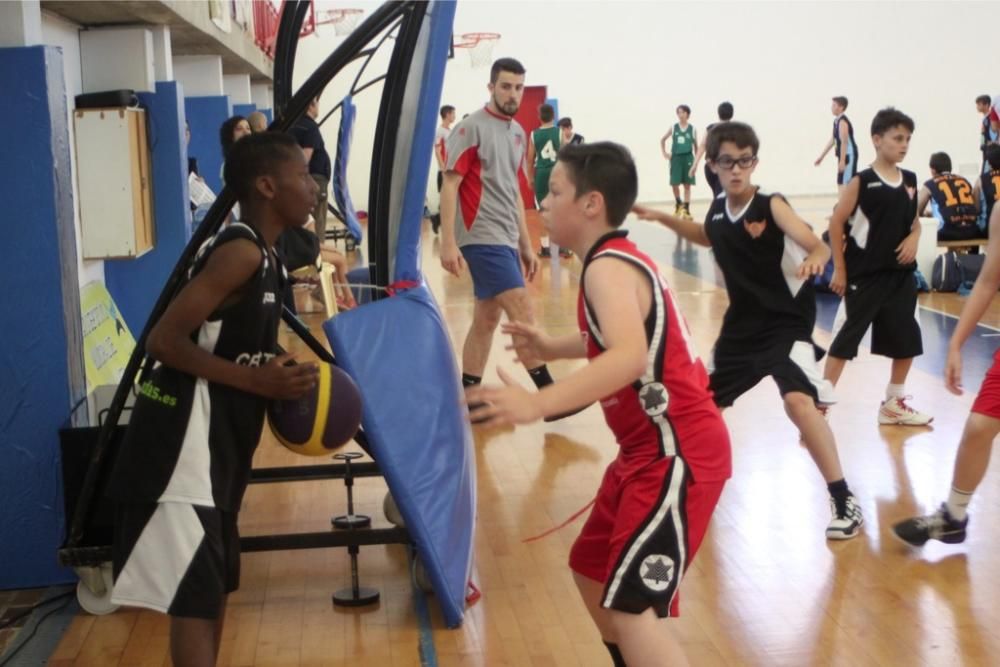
115, 183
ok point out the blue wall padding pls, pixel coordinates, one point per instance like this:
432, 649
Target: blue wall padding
269, 114
244, 109
341, 193
407, 265
554, 103
398, 352
206, 115
36, 192
135, 284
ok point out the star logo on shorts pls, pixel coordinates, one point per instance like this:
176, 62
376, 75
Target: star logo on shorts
653, 398
657, 572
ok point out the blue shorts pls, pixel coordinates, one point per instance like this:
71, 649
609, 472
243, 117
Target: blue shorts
494, 268
850, 170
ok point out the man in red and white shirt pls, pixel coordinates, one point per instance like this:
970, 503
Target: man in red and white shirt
483, 222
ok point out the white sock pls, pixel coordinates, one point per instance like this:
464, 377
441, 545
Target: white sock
895, 391
958, 504
545, 241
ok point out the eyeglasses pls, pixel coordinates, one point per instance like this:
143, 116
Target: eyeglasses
727, 163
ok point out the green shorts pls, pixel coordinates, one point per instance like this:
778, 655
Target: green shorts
680, 169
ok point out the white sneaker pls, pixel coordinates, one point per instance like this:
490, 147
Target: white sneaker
846, 522
896, 411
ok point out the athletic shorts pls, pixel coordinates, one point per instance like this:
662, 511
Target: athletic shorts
965, 232
494, 269
680, 169
886, 302
850, 170
175, 558
541, 185
794, 366
642, 534
988, 400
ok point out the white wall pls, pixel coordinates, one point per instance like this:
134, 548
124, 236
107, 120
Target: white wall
56, 31
620, 69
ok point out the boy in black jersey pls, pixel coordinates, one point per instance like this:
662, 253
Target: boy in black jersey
843, 140
951, 199
873, 267
768, 256
986, 191
185, 459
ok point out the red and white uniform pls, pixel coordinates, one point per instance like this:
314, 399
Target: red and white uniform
657, 496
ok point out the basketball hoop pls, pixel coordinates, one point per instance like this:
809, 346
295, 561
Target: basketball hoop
480, 47
343, 20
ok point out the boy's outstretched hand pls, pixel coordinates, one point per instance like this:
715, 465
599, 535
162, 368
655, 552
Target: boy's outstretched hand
282, 378
510, 404
529, 342
813, 265
646, 213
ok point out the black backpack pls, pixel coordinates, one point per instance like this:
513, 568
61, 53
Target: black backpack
953, 269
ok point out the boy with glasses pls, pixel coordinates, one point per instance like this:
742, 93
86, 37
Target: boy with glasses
768, 256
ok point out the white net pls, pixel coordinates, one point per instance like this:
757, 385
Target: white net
342, 20
480, 48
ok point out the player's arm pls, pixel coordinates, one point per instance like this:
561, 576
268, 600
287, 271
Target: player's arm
923, 198
531, 342
615, 289
700, 152
451, 258
663, 143
906, 251
439, 154
229, 268
826, 150
838, 223
842, 160
799, 231
688, 229
977, 194
975, 305
529, 167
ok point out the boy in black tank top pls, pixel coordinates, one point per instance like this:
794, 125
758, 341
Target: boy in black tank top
874, 274
185, 460
768, 256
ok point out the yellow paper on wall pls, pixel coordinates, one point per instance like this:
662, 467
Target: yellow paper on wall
107, 342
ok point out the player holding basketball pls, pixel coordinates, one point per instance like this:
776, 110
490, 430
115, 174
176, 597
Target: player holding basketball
185, 460
657, 496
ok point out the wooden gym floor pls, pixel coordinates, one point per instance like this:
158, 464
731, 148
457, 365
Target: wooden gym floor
766, 588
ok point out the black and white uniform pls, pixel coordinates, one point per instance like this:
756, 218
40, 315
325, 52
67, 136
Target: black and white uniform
881, 292
767, 329
185, 460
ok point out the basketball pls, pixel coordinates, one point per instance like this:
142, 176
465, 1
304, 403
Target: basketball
323, 420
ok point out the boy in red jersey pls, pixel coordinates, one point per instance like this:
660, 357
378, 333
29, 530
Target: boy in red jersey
657, 496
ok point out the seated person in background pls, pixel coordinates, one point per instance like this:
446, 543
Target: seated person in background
987, 188
952, 204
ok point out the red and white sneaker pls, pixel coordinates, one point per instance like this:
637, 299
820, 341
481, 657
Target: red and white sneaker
896, 411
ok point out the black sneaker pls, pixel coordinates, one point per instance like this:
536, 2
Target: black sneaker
938, 526
436, 222
544, 252
565, 252
847, 520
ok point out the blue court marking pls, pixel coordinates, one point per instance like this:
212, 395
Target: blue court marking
936, 327
425, 643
